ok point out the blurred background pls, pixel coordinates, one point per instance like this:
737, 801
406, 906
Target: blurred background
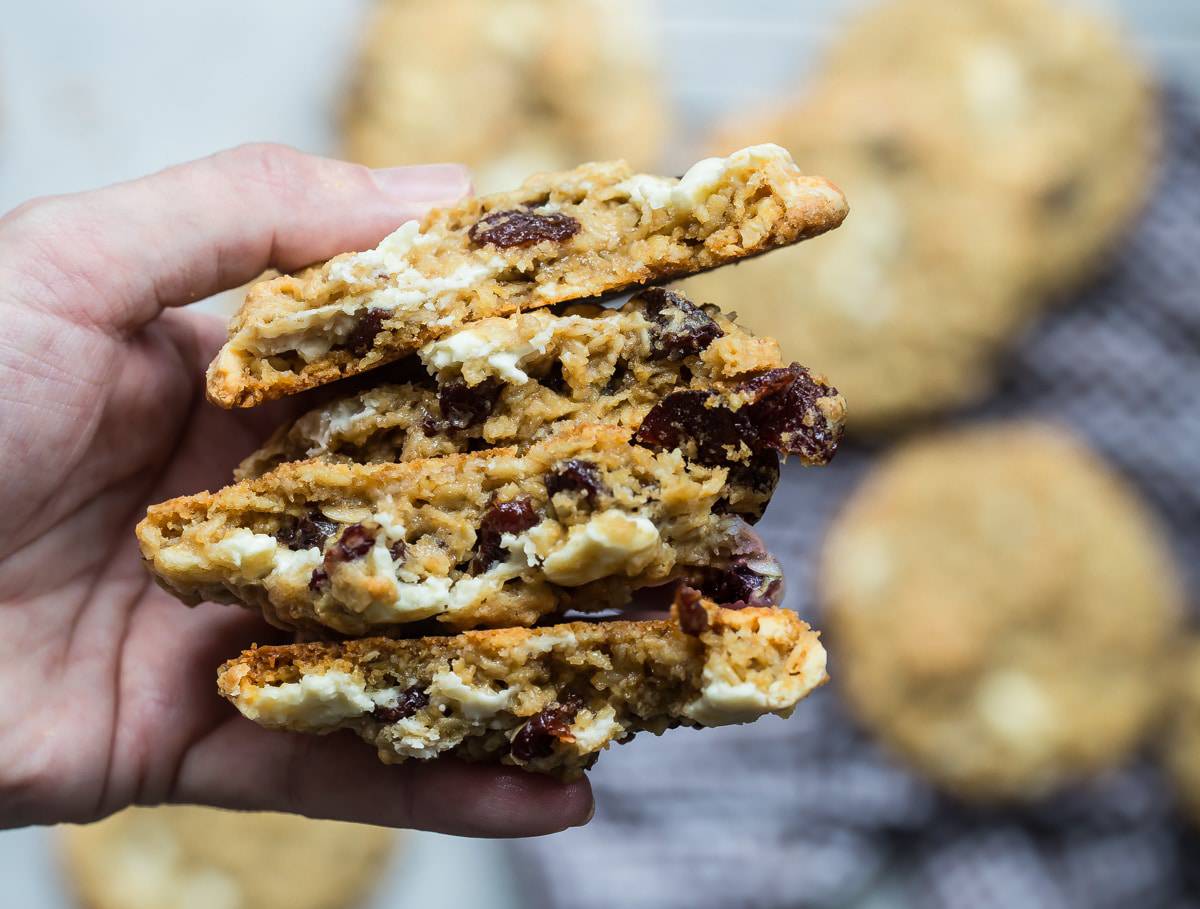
1004, 556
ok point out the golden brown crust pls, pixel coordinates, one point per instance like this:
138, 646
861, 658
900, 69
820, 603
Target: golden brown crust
483, 694
299, 331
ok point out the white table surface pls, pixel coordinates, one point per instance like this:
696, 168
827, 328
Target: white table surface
92, 92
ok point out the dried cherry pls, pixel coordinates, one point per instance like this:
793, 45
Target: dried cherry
313, 529
513, 516
576, 475
354, 543
522, 227
411, 700
362, 338
537, 737
681, 329
464, 405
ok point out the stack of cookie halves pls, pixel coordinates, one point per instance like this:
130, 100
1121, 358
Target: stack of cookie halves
510, 452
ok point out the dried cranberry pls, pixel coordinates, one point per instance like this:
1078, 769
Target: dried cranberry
680, 328
760, 472
739, 585
785, 415
464, 405
320, 577
398, 550
576, 475
710, 435
522, 227
306, 532
410, 701
355, 542
513, 516
537, 737
782, 415
362, 338
683, 419
693, 617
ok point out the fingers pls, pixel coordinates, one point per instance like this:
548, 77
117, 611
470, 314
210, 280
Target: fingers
122, 253
242, 766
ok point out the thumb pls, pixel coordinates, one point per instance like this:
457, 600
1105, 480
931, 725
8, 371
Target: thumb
119, 255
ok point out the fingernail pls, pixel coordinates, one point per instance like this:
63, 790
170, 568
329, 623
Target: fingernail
425, 182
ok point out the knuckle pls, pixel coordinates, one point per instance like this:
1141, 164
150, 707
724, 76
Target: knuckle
35, 216
278, 167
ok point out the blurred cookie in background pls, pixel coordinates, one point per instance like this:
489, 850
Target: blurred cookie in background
999, 607
184, 857
1042, 98
991, 151
508, 87
908, 301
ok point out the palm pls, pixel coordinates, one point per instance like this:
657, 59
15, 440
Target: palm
124, 674
109, 683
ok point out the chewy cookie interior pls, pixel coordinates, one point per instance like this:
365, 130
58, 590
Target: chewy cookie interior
687, 370
492, 539
563, 236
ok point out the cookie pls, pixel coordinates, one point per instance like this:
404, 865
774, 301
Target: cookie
492, 538
1001, 605
1181, 741
1040, 99
181, 857
564, 236
549, 699
658, 360
908, 301
509, 87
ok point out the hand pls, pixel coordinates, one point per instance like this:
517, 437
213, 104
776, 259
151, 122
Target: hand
109, 691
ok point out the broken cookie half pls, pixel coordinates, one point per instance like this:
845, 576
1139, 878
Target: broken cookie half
678, 374
496, 538
545, 699
563, 236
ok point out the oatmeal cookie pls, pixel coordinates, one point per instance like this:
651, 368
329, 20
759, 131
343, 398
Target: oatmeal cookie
564, 236
1043, 100
546, 699
509, 87
183, 857
1002, 605
907, 303
658, 361
486, 539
